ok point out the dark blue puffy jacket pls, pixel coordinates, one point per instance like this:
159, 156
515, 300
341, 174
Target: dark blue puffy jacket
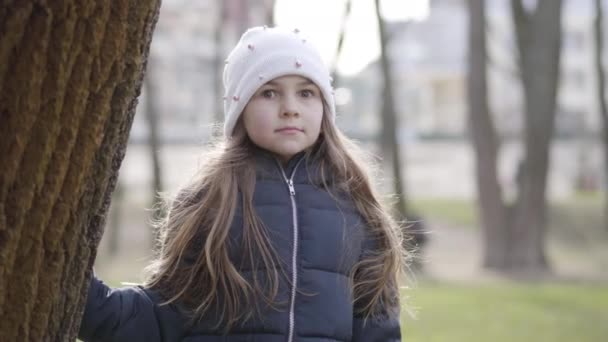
318, 240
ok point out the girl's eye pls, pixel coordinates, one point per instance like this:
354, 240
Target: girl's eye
307, 93
268, 93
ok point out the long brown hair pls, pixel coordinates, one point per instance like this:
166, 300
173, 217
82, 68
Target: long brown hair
193, 266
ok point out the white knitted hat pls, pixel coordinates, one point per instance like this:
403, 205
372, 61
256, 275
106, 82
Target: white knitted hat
263, 54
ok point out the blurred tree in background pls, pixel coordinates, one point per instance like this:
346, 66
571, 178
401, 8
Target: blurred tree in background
598, 57
152, 112
391, 149
514, 234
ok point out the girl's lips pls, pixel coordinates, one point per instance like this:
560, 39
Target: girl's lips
289, 130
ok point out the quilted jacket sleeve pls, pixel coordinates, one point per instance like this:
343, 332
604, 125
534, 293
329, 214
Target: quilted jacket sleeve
387, 327
376, 330
125, 314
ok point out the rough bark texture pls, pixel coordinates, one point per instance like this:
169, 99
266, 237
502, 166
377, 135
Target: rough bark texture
70, 74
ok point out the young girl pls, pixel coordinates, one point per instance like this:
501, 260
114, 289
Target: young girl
280, 237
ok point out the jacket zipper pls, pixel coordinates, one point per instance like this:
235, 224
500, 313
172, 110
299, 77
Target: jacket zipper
294, 256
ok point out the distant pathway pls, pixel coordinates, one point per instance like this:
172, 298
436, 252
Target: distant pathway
454, 254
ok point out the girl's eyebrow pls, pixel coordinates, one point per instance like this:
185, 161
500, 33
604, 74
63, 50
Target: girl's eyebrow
305, 82
301, 83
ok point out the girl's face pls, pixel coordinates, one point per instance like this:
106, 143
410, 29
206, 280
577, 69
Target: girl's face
284, 116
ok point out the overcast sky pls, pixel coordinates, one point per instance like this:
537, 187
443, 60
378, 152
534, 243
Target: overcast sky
321, 20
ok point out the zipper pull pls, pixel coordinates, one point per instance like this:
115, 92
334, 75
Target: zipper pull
292, 190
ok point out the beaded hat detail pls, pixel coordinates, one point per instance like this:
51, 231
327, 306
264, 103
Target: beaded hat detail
263, 54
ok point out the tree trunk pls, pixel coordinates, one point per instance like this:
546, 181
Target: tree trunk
270, 20
345, 16
538, 36
218, 62
154, 142
514, 235
485, 144
390, 122
598, 28
70, 74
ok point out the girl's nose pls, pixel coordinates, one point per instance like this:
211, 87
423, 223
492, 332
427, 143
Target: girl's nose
288, 113
290, 107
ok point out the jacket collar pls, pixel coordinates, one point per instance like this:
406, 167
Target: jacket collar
301, 165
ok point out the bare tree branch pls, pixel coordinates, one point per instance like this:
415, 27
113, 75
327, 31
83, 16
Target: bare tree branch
345, 16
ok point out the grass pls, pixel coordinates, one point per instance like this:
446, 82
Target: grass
507, 312
457, 211
582, 211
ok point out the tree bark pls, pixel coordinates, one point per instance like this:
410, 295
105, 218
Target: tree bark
598, 28
538, 36
70, 74
390, 122
485, 144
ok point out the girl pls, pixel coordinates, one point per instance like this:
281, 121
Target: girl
281, 237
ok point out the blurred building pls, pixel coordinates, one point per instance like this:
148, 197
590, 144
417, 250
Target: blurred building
185, 59
429, 63
428, 67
